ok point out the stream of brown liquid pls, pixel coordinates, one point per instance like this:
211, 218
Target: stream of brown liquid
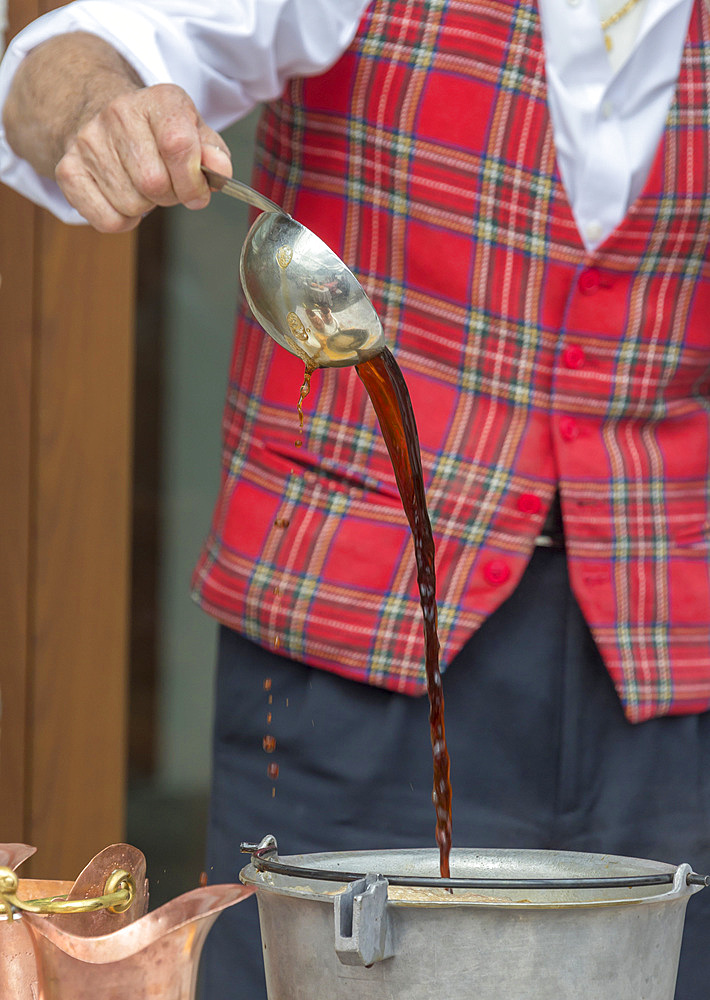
388, 391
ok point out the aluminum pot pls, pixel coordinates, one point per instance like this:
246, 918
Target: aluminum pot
524, 925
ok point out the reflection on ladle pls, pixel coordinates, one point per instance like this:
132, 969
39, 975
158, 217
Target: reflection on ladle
293, 280
305, 297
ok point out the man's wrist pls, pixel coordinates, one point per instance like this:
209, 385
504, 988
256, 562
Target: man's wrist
59, 87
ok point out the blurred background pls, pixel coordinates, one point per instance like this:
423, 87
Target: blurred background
187, 292
114, 359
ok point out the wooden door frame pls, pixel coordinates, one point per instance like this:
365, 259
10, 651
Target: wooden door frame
67, 298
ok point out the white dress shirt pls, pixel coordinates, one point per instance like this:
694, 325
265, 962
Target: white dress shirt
608, 109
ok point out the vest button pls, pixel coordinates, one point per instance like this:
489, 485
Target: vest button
574, 356
589, 281
529, 503
569, 429
496, 572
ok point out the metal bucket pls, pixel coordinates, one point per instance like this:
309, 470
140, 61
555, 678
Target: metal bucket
523, 925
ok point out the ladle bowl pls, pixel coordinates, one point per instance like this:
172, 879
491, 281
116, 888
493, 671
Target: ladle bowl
300, 291
305, 297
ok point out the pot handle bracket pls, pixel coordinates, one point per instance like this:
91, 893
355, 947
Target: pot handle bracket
363, 934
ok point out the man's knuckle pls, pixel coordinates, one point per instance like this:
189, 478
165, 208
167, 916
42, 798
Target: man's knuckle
64, 172
110, 225
177, 140
154, 182
120, 108
132, 203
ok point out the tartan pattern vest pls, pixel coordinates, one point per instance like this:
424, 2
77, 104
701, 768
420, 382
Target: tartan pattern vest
425, 158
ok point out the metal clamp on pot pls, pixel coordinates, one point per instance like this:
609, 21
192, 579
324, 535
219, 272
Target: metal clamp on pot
363, 934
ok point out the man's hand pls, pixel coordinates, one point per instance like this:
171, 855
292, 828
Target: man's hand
78, 112
142, 149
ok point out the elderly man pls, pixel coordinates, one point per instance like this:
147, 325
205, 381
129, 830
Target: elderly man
522, 190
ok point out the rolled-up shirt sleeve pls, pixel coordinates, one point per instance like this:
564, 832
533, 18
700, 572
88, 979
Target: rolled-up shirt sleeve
229, 55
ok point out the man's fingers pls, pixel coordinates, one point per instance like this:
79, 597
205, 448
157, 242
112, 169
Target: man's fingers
144, 148
175, 124
184, 144
155, 137
215, 151
115, 155
84, 193
181, 152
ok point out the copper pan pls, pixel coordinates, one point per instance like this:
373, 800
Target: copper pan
18, 964
156, 956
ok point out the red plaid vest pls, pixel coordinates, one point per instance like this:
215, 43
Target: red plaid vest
425, 158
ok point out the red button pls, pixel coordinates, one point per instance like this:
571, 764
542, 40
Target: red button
569, 429
496, 572
528, 503
574, 356
589, 281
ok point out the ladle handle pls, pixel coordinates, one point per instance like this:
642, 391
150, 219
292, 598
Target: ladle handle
237, 189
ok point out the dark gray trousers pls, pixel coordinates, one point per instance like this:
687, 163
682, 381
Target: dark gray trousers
541, 757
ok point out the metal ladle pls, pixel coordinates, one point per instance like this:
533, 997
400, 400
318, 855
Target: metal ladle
299, 290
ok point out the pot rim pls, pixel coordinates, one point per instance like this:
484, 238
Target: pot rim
624, 880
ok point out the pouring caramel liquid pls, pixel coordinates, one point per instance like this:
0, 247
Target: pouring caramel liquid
388, 392
389, 395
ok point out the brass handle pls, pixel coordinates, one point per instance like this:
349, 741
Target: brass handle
119, 893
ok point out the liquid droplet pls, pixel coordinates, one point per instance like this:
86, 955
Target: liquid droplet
295, 325
284, 256
305, 389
